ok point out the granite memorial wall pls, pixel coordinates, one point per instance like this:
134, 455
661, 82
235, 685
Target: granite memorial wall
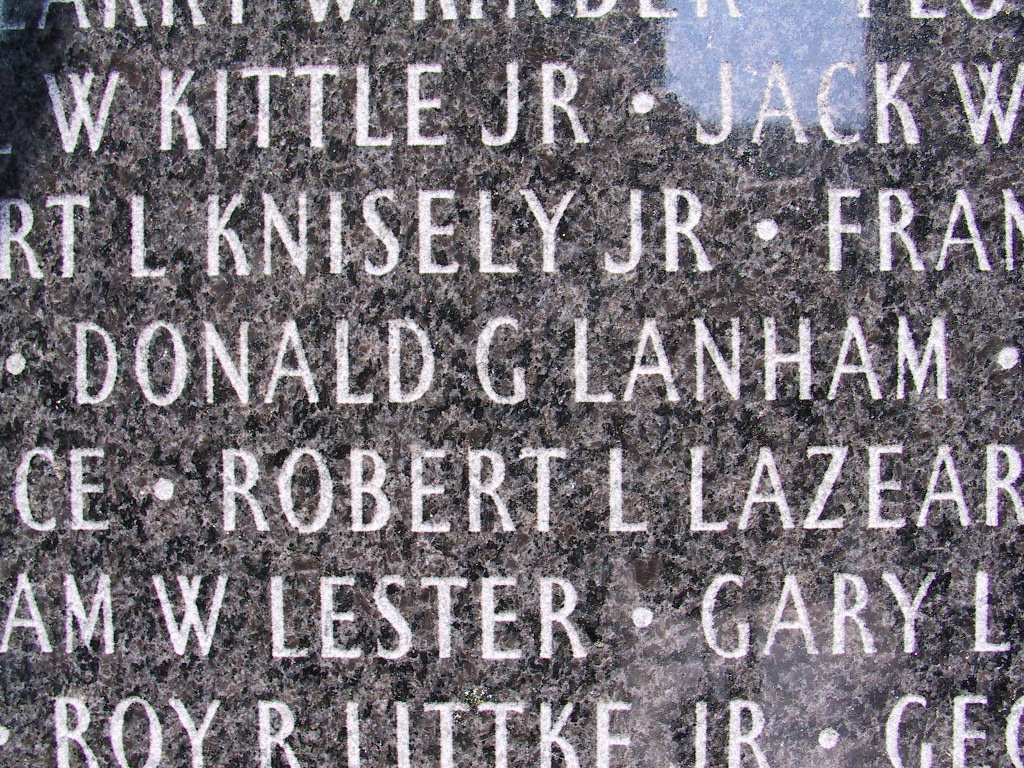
521, 382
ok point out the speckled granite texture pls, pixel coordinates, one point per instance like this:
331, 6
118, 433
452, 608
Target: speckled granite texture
662, 670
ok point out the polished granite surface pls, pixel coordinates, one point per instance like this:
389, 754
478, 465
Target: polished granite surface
436, 382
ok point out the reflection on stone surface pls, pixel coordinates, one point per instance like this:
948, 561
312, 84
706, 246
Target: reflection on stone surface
804, 39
